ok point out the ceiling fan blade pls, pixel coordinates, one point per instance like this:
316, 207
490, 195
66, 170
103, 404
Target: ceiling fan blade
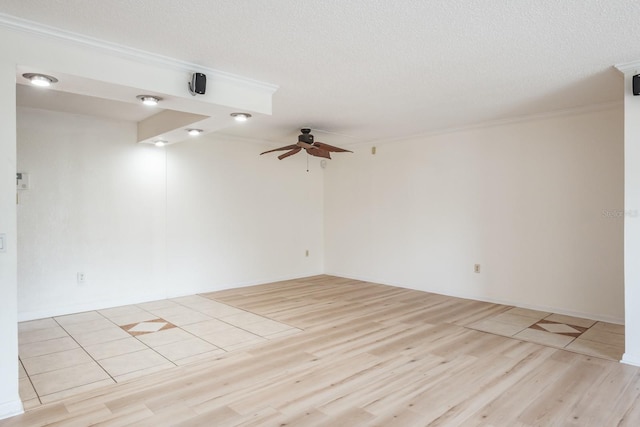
304, 145
328, 147
290, 153
318, 152
288, 147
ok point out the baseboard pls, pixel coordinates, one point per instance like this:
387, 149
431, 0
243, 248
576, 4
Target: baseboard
100, 305
88, 306
242, 284
630, 359
11, 409
550, 309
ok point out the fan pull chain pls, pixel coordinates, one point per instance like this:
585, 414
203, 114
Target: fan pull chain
307, 162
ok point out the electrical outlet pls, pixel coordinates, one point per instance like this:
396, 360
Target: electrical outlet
82, 278
22, 181
476, 268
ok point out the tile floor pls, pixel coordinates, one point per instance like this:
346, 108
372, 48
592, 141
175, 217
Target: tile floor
66, 355
585, 336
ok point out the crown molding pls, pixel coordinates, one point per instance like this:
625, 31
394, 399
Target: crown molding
46, 31
628, 67
504, 122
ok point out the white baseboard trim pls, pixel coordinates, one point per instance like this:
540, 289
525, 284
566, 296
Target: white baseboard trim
117, 302
88, 306
630, 359
99, 305
11, 409
242, 284
550, 309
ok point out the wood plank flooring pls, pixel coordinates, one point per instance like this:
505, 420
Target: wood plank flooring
370, 355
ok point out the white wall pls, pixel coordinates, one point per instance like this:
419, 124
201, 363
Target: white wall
236, 218
40, 48
632, 222
9, 399
144, 223
97, 206
537, 203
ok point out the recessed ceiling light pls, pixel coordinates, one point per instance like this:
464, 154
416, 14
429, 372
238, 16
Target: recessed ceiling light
160, 143
149, 99
194, 132
241, 117
41, 80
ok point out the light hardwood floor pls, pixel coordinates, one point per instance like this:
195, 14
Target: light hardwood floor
369, 355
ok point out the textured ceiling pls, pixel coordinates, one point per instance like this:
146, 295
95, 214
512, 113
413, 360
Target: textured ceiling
369, 70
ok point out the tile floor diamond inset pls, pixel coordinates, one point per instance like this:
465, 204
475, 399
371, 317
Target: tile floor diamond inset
558, 328
580, 335
148, 327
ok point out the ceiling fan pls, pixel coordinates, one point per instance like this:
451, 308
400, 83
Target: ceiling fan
315, 148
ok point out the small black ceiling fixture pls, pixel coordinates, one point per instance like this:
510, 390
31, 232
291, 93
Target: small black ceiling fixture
198, 84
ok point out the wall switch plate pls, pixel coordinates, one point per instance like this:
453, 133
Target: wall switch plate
3, 242
476, 268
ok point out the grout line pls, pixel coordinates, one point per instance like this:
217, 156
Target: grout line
71, 388
190, 333
242, 309
30, 382
54, 352
85, 350
220, 319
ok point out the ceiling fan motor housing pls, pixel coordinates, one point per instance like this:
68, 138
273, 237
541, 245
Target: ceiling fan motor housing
306, 136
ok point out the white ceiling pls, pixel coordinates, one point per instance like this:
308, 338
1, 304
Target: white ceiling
369, 70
